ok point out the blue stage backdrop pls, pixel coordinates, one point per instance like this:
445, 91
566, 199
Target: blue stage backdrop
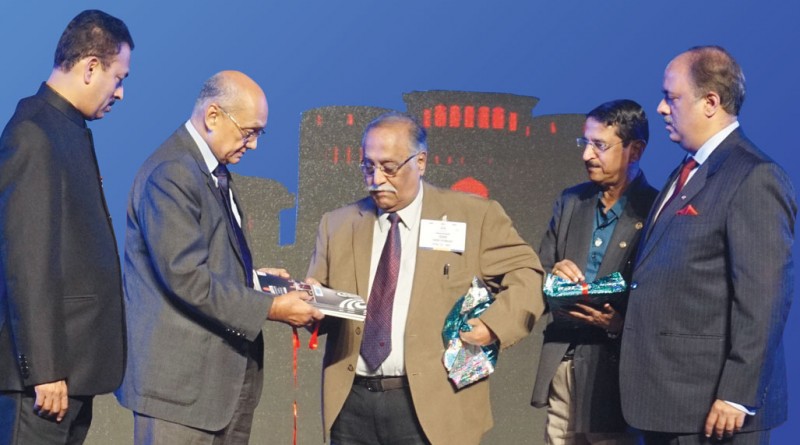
327, 67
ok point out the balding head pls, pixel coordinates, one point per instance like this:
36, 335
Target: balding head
229, 113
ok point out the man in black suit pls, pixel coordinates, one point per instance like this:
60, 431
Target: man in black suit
596, 225
61, 319
702, 352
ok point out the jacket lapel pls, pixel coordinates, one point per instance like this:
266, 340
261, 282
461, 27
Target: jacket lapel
363, 228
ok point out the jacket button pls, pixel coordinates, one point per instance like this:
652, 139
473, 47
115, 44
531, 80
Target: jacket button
634, 285
358, 331
350, 367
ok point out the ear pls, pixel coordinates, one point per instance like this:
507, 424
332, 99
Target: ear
90, 67
637, 150
711, 104
211, 117
422, 162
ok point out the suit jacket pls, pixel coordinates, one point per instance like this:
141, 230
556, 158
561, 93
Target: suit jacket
710, 297
494, 251
60, 291
191, 317
596, 360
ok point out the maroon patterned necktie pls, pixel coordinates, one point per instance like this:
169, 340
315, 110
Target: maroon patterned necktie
687, 167
377, 342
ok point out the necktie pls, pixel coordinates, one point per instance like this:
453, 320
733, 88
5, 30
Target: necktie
223, 178
687, 167
377, 342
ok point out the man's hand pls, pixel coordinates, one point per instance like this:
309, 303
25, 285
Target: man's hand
724, 420
292, 308
607, 319
275, 271
51, 400
568, 270
480, 334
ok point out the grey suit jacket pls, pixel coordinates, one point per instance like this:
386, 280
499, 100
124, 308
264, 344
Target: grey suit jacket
60, 289
494, 252
710, 297
191, 317
596, 360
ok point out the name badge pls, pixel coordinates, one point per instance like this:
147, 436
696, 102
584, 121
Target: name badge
442, 235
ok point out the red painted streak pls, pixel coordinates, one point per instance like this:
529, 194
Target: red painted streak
553, 129
512, 121
483, 117
426, 118
455, 116
439, 115
349, 119
469, 117
498, 118
335, 155
349, 155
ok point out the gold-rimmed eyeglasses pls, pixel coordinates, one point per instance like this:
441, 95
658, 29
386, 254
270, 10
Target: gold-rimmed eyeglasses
248, 135
389, 169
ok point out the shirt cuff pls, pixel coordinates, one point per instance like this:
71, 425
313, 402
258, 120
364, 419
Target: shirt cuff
741, 408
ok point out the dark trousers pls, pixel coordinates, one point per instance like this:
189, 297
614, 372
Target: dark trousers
151, 431
377, 418
20, 425
748, 438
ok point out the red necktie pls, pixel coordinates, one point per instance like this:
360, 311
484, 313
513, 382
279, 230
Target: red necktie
687, 168
377, 342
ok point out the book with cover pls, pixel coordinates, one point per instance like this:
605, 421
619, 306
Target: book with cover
328, 301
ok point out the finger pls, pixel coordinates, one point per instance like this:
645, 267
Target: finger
311, 281
719, 427
730, 425
608, 309
588, 310
710, 421
64, 407
738, 424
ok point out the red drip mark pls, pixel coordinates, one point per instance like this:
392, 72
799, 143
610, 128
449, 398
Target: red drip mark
436, 159
483, 117
426, 118
349, 155
350, 119
440, 115
512, 121
471, 185
455, 116
527, 131
498, 118
469, 117
553, 128
449, 160
335, 155
319, 120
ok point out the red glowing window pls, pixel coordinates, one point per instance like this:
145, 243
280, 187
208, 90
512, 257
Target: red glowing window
335, 155
349, 154
440, 115
455, 116
498, 118
469, 117
349, 119
512, 121
483, 117
319, 120
553, 128
527, 131
426, 118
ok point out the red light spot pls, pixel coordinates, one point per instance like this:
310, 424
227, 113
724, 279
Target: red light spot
449, 160
349, 119
461, 161
483, 117
512, 121
553, 128
319, 120
426, 118
498, 118
436, 159
469, 117
471, 185
527, 131
349, 155
455, 116
440, 115
335, 155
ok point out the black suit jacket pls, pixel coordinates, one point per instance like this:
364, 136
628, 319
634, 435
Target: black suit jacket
711, 292
596, 360
61, 311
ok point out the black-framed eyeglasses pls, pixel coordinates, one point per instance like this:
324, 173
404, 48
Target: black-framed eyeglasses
248, 135
389, 169
598, 147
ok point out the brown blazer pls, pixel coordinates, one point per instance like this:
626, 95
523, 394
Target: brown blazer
494, 252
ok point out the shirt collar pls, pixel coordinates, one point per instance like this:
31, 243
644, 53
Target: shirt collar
61, 104
208, 156
713, 142
409, 214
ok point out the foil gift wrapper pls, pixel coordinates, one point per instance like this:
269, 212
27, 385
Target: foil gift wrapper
562, 295
466, 363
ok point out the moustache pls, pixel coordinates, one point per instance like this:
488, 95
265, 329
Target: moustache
381, 188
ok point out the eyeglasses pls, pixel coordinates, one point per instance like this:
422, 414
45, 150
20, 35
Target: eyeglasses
389, 169
598, 147
248, 135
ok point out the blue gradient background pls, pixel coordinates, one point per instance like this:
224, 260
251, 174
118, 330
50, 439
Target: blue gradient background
572, 55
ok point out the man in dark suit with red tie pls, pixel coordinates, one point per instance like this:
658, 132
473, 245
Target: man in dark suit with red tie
702, 354
61, 320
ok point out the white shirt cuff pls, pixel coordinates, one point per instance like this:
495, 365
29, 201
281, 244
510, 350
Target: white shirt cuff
741, 408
